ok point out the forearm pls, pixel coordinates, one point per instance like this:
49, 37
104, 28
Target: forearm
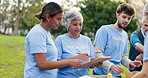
139, 47
43, 64
145, 68
125, 61
99, 54
139, 57
48, 65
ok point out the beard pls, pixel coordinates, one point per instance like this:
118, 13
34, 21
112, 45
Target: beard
120, 26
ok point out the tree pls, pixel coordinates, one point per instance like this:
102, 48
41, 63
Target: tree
19, 14
99, 12
24, 10
4, 14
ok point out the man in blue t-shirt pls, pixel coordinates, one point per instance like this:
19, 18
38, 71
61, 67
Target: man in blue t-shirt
112, 41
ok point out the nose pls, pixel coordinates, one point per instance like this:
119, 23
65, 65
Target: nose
78, 26
60, 22
126, 20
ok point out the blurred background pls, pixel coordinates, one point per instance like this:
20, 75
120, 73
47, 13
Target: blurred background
17, 17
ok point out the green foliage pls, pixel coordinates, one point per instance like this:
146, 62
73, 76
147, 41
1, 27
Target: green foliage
132, 26
24, 9
100, 12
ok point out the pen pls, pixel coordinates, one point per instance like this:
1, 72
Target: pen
84, 54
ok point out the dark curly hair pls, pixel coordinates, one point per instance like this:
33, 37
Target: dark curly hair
126, 8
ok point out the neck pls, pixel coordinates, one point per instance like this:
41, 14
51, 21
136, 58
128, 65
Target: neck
117, 27
73, 36
45, 26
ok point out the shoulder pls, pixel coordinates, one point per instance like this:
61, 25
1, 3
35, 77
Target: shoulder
105, 27
84, 37
36, 30
60, 37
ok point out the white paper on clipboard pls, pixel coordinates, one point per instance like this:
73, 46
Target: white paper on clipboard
94, 61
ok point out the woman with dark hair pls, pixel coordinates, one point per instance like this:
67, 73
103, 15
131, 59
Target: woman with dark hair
41, 52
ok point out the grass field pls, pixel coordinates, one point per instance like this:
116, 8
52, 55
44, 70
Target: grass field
12, 57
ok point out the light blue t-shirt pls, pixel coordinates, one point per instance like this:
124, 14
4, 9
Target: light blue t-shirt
39, 40
114, 43
69, 47
145, 58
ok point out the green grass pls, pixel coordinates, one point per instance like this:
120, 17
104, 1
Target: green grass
12, 56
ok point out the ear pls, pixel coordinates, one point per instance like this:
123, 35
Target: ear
67, 27
141, 24
117, 15
48, 18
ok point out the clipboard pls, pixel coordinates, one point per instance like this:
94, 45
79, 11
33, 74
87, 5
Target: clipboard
94, 61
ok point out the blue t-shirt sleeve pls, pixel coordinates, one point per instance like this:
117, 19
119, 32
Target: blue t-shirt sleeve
101, 38
37, 43
58, 44
134, 39
145, 58
92, 52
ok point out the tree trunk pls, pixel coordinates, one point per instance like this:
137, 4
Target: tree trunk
16, 28
17, 22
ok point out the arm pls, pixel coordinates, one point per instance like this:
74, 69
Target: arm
100, 43
106, 64
127, 62
139, 47
136, 43
43, 64
143, 72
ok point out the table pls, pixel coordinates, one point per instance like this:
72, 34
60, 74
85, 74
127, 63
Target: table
95, 76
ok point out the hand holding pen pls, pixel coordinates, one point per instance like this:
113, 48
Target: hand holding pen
82, 56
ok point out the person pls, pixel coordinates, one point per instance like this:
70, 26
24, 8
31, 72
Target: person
143, 72
137, 41
74, 45
112, 41
41, 52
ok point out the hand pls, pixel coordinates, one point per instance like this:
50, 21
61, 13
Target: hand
83, 56
117, 69
99, 64
75, 63
134, 64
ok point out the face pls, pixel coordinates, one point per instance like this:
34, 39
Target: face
75, 27
123, 19
145, 26
56, 21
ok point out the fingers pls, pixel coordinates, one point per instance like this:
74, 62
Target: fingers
99, 64
83, 57
75, 63
117, 69
134, 64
